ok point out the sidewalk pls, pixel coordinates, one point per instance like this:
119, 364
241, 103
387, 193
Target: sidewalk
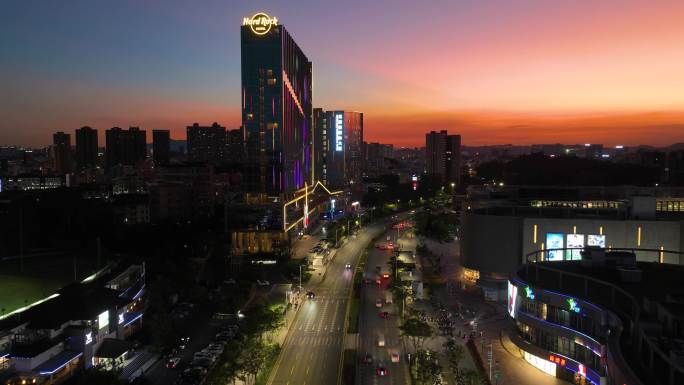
492, 320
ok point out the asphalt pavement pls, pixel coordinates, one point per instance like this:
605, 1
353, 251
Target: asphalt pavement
311, 353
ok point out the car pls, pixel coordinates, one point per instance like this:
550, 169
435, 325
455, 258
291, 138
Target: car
172, 363
383, 314
263, 283
347, 266
202, 355
381, 371
379, 303
201, 363
367, 358
394, 356
310, 295
215, 348
194, 372
385, 275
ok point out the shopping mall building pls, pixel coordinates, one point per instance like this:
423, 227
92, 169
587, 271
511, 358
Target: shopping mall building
592, 277
501, 228
604, 319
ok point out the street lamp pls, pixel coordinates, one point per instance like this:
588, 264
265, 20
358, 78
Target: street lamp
300, 277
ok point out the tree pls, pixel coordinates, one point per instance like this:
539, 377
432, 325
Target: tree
417, 331
428, 365
472, 377
400, 291
455, 353
253, 358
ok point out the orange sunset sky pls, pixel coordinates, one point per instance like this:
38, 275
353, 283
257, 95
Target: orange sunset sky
496, 72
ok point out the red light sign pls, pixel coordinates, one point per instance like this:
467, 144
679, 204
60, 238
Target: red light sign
560, 361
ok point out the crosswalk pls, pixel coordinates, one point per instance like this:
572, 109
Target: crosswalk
324, 315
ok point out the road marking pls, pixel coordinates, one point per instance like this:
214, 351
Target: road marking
307, 370
292, 371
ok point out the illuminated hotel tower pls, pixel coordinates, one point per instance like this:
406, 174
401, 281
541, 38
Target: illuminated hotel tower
276, 108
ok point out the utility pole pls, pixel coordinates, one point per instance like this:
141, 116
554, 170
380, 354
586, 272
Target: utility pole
490, 361
300, 278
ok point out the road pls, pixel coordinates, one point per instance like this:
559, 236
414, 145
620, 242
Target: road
372, 326
312, 350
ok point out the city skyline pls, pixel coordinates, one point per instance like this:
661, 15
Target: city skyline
509, 73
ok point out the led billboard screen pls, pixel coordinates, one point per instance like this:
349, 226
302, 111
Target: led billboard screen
339, 131
512, 298
103, 319
554, 241
596, 240
575, 242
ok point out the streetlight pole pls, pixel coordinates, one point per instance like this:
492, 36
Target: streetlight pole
300, 278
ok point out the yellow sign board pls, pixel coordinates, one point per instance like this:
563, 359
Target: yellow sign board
260, 23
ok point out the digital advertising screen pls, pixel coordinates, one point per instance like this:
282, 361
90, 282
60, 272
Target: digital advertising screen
554, 241
576, 242
512, 298
339, 131
103, 319
596, 240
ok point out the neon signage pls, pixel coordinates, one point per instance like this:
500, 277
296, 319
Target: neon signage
88, 338
512, 298
573, 305
121, 318
529, 293
339, 131
558, 360
260, 23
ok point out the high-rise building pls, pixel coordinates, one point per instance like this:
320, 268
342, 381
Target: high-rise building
206, 143
376, 155
235, 146
453, 159
125, 147
443, 156
86, 147
161, 142
338, 151
320, 134
276, 108
60, 153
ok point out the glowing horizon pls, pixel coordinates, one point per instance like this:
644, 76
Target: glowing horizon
495, 72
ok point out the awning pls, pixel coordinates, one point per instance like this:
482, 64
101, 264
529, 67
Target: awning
113, 348
56, 363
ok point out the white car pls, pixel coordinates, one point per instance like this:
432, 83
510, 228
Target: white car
378, 303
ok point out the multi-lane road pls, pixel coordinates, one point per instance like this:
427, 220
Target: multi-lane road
373, 328
311, 353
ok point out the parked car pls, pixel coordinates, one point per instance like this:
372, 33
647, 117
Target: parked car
202, 363
379, 303
310, 295
172, 363
263, 283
